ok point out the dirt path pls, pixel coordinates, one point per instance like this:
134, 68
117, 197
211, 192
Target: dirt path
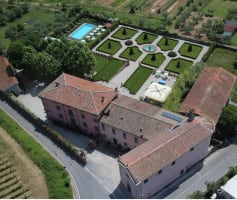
27, 170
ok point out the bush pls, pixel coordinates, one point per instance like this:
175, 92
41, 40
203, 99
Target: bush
129, 42
172, 54
209, 52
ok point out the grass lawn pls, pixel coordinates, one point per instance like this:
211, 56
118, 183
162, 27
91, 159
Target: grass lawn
150, 38
37, 15
233, 39
223, 58
106, 68
184, 65
191, 54
115, 46
137, 79
234, 93
119, 33
171, 44
57, 178
220, 7
156, 63
136, 53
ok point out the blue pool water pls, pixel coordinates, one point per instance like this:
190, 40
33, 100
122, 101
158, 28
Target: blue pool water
81, 31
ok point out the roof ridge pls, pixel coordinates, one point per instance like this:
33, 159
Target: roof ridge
93, 102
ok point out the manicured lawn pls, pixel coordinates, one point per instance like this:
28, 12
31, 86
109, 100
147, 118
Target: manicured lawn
171, 44
137, 79
36, 15
106, 68
119, 34
233, 40
110, 49
156, 63
193, 53
57, 178
234, 93
220, 7
173, 65
143, 40
223, 58
126, 53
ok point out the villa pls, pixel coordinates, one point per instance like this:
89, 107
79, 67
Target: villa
161, 145
8, 82
76, 102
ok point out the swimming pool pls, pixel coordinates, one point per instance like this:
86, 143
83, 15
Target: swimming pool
82, 31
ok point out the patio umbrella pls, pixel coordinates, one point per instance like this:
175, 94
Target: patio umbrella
93, 38
98, 33
88, 36
94, 31
102, 29
92, 34
100, 26
97, 28
83, 41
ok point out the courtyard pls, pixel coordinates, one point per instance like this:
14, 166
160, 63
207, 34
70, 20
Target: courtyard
145, 53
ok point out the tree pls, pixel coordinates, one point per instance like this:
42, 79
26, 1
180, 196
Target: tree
64, 7
3, 20
132, 10
166, 42
227, 124
109, 45
15, 53
124, 31
11, 15
153, 57
11, 32
178, 64
145, 37
75, 59
131, 51
25, 8
190, 48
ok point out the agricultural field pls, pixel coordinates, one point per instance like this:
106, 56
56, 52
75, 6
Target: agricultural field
20, 178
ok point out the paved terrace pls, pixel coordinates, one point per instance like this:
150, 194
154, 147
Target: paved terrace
122, 76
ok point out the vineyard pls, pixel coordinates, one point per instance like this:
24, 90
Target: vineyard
11, 185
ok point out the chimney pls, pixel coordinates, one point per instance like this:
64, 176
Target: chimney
102, 99
191, 115
56, 84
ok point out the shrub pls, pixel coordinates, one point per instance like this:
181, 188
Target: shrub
172, 54
129, 42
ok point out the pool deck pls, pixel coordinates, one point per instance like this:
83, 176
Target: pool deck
122, 76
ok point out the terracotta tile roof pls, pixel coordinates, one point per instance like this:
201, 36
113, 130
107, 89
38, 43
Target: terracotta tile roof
79, 93
209, 93
161, 151
6, 78
137, 117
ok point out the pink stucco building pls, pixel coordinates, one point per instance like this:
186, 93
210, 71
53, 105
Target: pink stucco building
157, 162
76, 102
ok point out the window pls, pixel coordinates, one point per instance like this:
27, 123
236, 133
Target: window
95, 120
83, 116
135, 139
60, 116
160, 171
103, 127
70, 112
173, 163
58, 107
104, 135
125, 143
145, 181
84, 124
113, 131
97, 128
192, 149
124, 135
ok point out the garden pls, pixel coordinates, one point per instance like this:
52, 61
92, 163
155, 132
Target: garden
145, 38
131, 53
166, 44
137, 79
109, 46
154, 60
190, 50
178, 65
124, 33
106, 68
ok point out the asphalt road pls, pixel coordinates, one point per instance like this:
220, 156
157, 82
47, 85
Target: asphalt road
86, 185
